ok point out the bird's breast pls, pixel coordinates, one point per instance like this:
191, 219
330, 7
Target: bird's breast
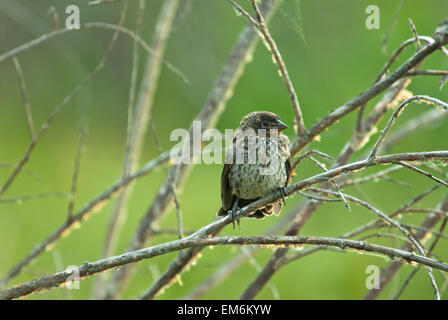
255, 179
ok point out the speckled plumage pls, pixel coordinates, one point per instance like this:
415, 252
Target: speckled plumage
262, 167
248, 181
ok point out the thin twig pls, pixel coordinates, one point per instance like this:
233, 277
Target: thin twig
97, 2
428, 73
423, 172
414, 31
172, 186
246, 14
26, 102
424, 210
307, 155
54, 13
373, 177
396, 114
71, 199
385, 235
31, 173
29, 197
430, 117
392, 25
298, 117
414, 272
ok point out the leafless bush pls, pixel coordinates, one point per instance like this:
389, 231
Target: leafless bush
325, 187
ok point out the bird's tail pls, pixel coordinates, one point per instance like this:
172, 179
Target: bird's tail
221, 212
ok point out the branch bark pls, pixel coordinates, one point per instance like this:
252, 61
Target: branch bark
88, 269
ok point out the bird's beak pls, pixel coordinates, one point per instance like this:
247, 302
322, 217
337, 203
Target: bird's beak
280, 125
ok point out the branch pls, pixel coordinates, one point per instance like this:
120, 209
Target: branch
422, 172
88, 269
28, 197
71, 199
299, 125
26, 102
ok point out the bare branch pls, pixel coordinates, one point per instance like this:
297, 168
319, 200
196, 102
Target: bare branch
392, 25
71, 199
28, 197
26, 102
414, 31
54, 13
246, 14
91, 268
396, 114
298, 117
97, 2
430, 117
429, 175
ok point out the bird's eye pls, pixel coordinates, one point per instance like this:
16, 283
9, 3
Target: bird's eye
264, 124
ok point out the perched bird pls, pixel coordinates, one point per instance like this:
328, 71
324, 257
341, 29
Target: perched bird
258, 163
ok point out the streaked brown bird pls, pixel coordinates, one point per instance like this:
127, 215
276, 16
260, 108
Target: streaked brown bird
258, 163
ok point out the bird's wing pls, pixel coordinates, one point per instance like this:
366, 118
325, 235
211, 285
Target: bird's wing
226, 189
288, 170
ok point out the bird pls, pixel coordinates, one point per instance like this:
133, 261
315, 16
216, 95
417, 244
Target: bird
258, 163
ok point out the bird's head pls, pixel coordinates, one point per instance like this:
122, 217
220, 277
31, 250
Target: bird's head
262, 120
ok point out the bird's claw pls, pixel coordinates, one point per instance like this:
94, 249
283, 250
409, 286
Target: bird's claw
234, 210
283, 194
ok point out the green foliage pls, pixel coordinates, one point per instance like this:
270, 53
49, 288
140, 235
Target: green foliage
331, 57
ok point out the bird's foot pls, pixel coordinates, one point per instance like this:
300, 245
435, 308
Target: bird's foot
283, 194
234, 211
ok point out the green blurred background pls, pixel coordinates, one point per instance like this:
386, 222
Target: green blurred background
331, 57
